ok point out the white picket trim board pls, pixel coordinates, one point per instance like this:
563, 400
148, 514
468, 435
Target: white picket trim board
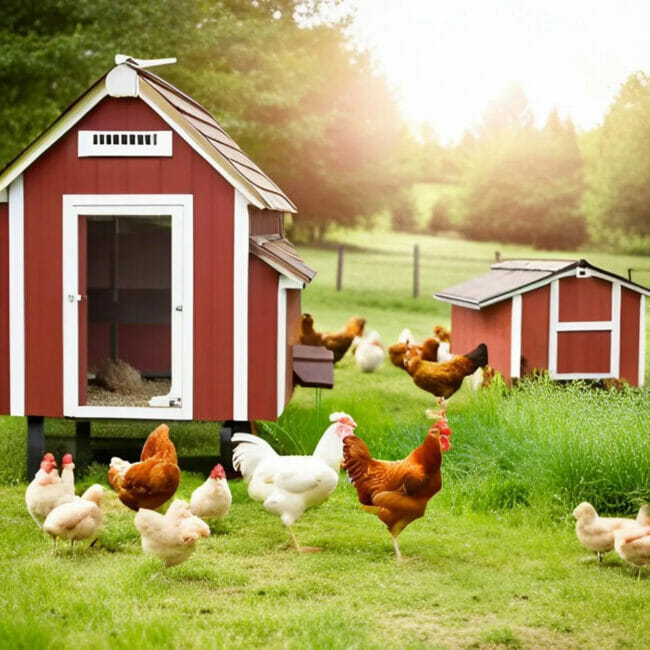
285, 282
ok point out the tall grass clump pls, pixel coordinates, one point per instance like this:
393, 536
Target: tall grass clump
542, 442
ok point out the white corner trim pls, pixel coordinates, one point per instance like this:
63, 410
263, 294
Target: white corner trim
122, 81
240, 309
615, 336
515, 336
16, 211
4, 195
281, 377
180, 208
642, 341
554, 313
49, 137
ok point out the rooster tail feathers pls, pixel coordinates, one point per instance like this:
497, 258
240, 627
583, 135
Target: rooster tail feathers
479, 355
249, 452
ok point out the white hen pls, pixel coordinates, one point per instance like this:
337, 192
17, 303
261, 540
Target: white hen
46, 491
288, 485
369, 352
212, 499
171, 537
67, 474
78, 519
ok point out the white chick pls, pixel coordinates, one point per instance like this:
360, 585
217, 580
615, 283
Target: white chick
597, 533
171, 537
78, 519
46, 491
213, 498
632, 543
369, 353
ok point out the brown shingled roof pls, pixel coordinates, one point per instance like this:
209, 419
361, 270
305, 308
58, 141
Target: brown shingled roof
277, 251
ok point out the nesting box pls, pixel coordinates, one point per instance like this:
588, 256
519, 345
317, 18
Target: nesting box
135, 228
571, 318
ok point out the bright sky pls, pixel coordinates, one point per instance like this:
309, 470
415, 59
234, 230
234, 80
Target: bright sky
448, 58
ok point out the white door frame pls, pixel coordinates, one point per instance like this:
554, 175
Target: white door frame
180, 208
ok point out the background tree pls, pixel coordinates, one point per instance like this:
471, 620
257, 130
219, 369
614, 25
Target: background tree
522, 184
617, 199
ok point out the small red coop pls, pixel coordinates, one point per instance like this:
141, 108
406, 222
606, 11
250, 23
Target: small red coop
568, 317
135, 228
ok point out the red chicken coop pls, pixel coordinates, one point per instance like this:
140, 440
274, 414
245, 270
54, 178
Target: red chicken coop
135, 228
568, 317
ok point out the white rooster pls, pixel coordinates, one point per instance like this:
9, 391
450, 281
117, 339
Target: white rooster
212, 499
171, 537
288, 485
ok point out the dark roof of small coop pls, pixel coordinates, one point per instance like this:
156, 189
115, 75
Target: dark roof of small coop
512, 277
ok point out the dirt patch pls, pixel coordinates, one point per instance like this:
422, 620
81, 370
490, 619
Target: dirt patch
98, 396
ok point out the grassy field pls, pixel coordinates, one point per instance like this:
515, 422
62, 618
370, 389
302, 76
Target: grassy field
493, 564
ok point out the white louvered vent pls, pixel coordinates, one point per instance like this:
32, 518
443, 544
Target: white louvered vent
125, 143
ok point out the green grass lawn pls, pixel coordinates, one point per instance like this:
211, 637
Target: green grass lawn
482, 580
494, 563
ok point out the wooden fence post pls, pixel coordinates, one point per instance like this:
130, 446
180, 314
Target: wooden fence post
339, 269
497, 256
416, 271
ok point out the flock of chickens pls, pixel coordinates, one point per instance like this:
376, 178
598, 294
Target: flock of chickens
430, 364
397, 492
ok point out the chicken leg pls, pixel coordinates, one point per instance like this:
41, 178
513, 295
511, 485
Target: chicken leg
303, 549
398, 554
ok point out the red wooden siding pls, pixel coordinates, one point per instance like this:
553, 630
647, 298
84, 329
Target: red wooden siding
490, 325
4, 309
293, 337
585, 299
262, 340
629, 363
59, 171
583, 352
534, 329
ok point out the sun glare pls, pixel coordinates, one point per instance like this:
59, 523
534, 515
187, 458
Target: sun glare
446, 61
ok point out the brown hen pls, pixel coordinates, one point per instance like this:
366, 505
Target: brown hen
338, 342
397, 491
152, 481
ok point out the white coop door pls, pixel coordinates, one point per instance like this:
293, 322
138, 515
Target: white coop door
128, 295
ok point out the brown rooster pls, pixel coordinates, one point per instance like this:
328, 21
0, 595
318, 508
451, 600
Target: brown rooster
397, 491
443, 379
442, 334
152, 481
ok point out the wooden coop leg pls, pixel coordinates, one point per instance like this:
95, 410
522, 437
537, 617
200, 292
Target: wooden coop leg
228, 428
83, 454
35, 444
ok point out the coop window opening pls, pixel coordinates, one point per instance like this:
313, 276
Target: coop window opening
124, 143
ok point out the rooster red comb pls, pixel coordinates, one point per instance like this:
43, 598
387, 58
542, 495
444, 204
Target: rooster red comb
67, 459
